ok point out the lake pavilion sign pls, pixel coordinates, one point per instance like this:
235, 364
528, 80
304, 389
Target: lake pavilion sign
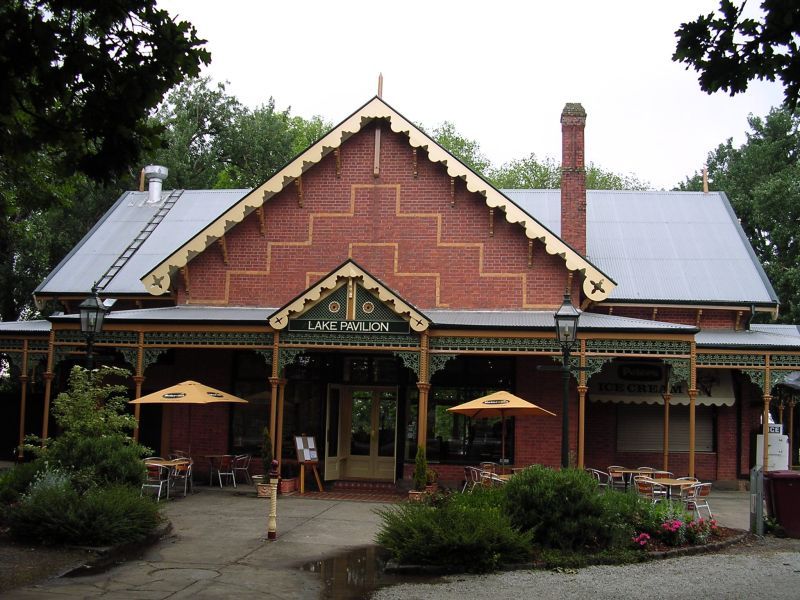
350, 301
345, 326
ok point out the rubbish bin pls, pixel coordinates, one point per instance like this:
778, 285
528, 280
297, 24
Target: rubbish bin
783, 497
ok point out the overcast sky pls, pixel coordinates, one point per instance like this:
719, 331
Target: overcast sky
501, 71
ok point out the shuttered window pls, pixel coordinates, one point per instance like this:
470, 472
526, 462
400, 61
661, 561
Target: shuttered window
641, 428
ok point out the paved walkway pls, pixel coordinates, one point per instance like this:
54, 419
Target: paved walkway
218, 548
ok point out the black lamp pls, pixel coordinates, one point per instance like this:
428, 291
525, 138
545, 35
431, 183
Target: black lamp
566, 318
93, 312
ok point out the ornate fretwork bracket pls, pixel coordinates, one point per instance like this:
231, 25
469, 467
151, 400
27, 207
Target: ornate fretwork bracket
410, 360
778, 377
130, 355
437, 362
266, 355
679, 371
595, 365
150, 356
756, 377
287, 357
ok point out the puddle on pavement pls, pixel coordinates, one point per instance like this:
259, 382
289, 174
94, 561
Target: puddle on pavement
356, 574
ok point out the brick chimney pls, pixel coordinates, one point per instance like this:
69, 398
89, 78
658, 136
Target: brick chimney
573, 177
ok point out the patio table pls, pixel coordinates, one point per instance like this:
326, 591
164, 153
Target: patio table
670, 483
211, 458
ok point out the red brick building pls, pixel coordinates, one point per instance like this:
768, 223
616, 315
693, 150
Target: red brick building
375, 281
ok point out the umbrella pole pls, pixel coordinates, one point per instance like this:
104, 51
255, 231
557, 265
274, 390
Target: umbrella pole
503, 437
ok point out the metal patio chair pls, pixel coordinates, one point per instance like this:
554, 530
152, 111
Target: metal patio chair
602, 477
649, 488
696, 496
225, 469
182, 471
241, 464
156, 479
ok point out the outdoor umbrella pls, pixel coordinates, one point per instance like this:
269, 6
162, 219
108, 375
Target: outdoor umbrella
499, 404
188, 393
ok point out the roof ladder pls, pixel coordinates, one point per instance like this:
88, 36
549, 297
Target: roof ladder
137, 242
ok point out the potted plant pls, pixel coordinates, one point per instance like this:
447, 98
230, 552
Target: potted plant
420, 476
262, 481
431, 481
288, 483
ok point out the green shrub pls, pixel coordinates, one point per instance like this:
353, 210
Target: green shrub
53, 512
467, 532
420, 470
115, 514
562, 509
95, 442
15, 481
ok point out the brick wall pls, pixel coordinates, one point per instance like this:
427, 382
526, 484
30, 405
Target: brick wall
433, 248
573, 177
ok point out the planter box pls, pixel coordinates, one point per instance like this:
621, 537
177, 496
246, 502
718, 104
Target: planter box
415, 496
287, 486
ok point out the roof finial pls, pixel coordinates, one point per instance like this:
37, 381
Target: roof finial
705, 179
380, 85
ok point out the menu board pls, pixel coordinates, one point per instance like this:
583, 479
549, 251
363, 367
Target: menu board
306, 449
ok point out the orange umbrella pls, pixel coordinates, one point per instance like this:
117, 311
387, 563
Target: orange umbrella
499, 404
188, 392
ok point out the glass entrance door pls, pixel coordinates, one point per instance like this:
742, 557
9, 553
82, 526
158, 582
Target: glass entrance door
369, 426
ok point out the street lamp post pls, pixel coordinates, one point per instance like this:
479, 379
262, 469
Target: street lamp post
93, 312
566, 318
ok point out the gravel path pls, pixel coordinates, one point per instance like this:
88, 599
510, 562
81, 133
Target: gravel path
762, 569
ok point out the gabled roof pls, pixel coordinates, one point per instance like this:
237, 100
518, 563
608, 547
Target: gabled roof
596, 285
664, 247
349, 270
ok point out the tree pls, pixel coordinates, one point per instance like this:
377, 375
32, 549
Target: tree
532, 173
464, 149
212, 141
78, 79
729, 50
762, 180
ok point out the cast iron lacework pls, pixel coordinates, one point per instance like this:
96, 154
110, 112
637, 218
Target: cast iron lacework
130, 355
679, 371
495, 344
756, 376
110, 338
333, 338
777, 377
62, 352
785, 360
437, 362
207, 338
574, 365
38, 345
730, 360
410, 360
12, 344
287, 356
595, 365
622, 347
266, 355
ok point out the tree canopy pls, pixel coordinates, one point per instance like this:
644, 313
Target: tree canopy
529, 172
762, 180
730, 50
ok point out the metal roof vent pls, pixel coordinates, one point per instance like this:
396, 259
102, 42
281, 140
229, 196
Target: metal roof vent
155, 176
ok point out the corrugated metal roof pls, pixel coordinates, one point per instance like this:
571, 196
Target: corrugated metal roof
187, 314
727, 338
663, 246
544, 320
658, 246
779, 328
38, 326
98, 250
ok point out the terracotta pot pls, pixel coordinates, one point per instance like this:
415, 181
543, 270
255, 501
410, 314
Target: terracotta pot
262, 490
431, 488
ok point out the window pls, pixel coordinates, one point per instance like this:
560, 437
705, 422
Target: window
455, 438
640, 428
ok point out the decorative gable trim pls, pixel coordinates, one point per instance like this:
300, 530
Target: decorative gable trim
349, 273
596, 285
